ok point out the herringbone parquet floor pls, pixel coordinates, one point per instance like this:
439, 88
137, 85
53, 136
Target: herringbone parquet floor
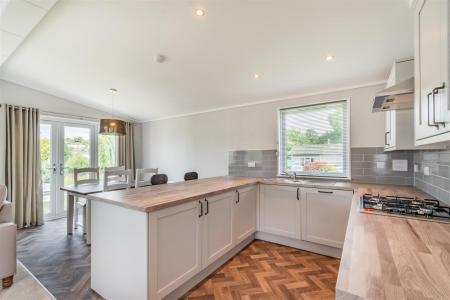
269, 271
261, 271
61, 263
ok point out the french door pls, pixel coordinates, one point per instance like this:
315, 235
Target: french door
64, 146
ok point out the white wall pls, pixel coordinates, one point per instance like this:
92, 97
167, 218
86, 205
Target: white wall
201, 142
11, 93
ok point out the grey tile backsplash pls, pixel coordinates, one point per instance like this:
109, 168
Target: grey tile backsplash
437, 165
265, 163
368, 165
373, 165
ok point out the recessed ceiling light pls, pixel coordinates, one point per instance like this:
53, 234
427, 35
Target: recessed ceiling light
256, 76
200, 12
329, 57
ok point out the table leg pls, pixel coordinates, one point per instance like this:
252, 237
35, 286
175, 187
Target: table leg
70, 203
88, 221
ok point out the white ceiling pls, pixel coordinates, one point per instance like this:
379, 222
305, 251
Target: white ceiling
82, 48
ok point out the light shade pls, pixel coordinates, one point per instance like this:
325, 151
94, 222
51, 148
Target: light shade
112, 127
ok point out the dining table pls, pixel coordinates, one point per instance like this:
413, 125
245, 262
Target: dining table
82, 191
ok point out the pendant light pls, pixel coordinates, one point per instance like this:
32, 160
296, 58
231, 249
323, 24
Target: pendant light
112, 126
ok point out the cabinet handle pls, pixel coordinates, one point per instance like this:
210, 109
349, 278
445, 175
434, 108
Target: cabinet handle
207, 207
298, 193
385, 138
428, 100
435, 92
326, 192
201, 209
238, 196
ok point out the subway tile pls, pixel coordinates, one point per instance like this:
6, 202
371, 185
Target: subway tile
376, 157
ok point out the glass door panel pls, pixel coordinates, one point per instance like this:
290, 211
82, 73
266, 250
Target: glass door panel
48, 169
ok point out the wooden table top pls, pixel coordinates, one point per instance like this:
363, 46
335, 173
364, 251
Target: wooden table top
386, 257
155, 197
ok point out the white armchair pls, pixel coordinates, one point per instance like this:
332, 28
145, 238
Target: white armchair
8, 231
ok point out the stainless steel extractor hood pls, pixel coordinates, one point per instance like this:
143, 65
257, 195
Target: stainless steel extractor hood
399, 96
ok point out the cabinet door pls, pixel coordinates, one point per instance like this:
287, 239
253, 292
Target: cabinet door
244, 213
280, 211
324, 215
218, 229
389, 142
174, 247
431, 68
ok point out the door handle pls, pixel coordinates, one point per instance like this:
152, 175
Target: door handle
428, 114
298, 193
238, 197
61, 169
385, 138
325, 192
53, 168
207, 207
201, 209
435, 92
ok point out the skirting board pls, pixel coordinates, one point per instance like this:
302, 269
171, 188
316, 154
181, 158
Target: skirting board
183, 289
303, 245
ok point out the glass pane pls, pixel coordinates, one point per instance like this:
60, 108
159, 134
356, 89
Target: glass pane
106, 152
314, 140
77, 152
46, 165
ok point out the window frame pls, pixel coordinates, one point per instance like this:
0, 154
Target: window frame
347, 162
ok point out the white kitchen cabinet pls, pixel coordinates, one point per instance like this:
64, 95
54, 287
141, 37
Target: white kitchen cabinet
399, 125
175, 246
244, 216
217, 227
325, 214
280, 210
399, 134
431, 106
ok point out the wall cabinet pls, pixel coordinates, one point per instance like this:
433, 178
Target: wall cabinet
217, 226
399, 124
244, 216
431, 106
280, 210
324, 215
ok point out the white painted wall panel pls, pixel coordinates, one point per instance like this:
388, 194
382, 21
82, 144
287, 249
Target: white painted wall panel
201, 142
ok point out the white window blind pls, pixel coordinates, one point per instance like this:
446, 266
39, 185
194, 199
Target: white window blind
314, 140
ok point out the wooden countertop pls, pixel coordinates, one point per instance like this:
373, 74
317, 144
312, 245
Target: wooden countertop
151, 198
388, 257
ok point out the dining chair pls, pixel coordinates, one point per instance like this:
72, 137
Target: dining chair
117, 180
159, 179
190, 176
84, 176
141, 174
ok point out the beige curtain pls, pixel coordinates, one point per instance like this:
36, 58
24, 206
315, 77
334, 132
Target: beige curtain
126, 148
23, 165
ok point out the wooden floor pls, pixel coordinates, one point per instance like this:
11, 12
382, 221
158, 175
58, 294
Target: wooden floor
60, 262
269, 271
261, 271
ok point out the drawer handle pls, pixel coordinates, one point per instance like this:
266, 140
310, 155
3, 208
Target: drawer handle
428, 100
435, 92
201, 209
326, 192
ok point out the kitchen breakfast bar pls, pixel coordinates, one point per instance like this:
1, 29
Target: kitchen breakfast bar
160, 241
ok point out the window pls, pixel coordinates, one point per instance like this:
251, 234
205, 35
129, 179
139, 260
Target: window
106, 151
314, 140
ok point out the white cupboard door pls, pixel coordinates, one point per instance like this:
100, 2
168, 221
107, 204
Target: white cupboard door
325, 215
280, 211
218, 227
431, 69
174, 247
244, 213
